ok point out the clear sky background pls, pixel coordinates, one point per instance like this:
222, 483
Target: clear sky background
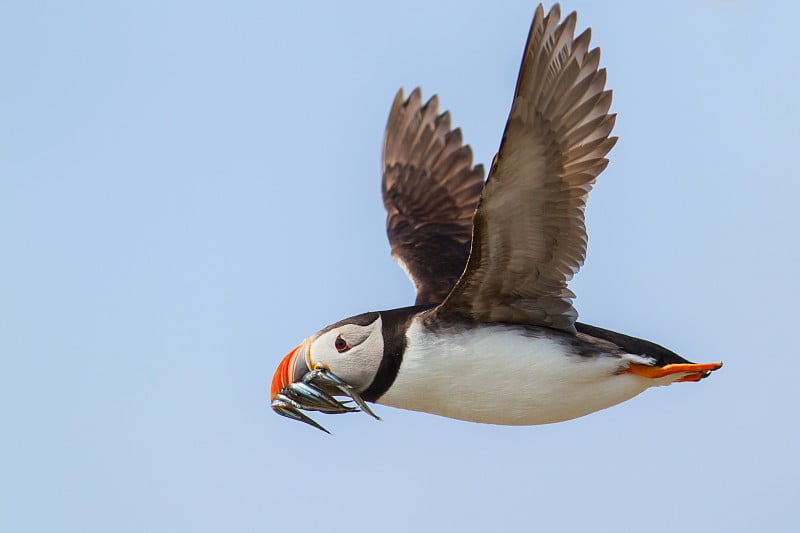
188, 189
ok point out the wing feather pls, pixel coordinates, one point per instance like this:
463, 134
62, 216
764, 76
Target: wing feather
529, 234
430, 191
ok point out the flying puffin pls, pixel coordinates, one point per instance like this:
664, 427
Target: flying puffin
492, 336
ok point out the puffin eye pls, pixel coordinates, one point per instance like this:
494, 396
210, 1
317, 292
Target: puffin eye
340, 344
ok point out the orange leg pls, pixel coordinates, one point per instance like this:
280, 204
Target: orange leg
695, 372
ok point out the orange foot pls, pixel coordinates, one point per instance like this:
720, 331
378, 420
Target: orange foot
694, 371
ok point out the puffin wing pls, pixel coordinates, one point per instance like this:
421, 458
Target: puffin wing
430, 191
529, 236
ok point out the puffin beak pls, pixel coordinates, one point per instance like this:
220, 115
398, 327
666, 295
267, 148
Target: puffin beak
284, 375
291, 392
295, 388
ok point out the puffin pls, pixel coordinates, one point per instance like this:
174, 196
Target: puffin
492, 336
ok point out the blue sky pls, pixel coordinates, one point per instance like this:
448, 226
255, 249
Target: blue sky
188, 189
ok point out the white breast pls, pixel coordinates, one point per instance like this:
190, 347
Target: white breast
497, 375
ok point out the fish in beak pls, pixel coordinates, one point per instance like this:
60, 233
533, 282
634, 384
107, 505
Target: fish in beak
296, 388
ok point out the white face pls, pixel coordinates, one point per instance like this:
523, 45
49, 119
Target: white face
352, 352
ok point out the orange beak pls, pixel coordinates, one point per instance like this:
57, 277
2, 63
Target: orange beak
284, 374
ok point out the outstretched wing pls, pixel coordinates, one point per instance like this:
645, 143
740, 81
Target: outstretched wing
430, 191
529, 236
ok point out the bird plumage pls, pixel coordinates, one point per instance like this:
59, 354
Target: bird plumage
509, 374
529, 236
430, 192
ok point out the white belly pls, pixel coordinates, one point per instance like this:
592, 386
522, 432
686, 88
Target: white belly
496, 375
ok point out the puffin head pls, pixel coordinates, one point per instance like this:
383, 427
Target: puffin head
351, 349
